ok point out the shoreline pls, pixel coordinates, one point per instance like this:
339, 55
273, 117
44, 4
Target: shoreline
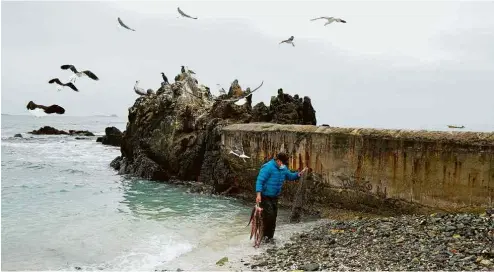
409, 242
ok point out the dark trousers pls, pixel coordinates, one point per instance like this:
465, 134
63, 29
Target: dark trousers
269, 207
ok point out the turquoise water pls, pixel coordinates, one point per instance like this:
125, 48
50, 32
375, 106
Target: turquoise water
64, 207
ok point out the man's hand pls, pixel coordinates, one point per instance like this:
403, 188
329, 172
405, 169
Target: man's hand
302, 172
258, 198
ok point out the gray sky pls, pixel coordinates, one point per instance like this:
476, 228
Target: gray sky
416, 64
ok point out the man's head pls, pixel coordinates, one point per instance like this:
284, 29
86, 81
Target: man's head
281, 159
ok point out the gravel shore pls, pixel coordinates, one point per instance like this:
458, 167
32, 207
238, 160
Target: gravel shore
435, 242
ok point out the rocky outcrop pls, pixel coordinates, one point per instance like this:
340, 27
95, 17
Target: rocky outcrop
175, 133
113, 136
47, 130
285, 109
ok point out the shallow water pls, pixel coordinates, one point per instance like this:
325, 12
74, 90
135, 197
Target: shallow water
64, 207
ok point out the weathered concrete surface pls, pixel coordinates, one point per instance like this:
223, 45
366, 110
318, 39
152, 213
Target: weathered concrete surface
379, 170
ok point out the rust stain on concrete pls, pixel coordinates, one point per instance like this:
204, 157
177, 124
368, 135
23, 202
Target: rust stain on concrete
380, 167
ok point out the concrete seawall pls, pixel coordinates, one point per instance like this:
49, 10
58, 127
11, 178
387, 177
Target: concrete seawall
374, 169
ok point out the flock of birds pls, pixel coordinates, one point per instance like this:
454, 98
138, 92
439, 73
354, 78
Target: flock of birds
70, 83
239, 101
76, 74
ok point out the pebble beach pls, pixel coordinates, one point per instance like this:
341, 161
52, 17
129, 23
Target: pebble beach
412, 243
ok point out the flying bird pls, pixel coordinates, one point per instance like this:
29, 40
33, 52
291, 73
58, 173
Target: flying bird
77, 74
239, 101
452, 126
239, 153
124, 25
330, 20
165, 79
185, 15
138, 90
290, 41
48, 110
68, 84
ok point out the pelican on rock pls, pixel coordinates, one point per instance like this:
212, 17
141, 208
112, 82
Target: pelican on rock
138, 90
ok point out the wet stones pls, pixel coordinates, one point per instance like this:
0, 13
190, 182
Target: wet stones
437, 242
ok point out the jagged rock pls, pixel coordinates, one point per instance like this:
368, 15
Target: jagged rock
235, 89
80, 133
260, 113
47, 130
113, 136
285, 109
18, 135
176, 134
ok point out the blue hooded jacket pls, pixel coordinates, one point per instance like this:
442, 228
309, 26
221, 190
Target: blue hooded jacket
271, 178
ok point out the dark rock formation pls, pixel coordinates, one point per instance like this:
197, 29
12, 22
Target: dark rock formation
175, 133
47, 130
113, 136
18, 135
285, 109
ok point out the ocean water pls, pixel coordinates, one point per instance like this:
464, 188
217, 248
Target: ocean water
63, 207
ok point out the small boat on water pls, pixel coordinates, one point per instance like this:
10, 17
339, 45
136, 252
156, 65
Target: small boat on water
451, 126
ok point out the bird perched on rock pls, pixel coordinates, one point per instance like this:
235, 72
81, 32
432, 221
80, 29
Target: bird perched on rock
59, 88
290, 41
77, 74
47, 109
330, 20
190, 71
124, 25
185, 15
183, 69
165, 79
138, 90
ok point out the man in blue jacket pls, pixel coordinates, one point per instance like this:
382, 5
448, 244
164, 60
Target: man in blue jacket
268, 187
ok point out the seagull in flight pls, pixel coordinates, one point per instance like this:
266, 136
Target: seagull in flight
77, 74
290, 41
61, 85
124, 25
47, 109
185, 15
330, 20
240, 101
139, 90
238, 154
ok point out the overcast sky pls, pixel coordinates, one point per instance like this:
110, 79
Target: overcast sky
416, 64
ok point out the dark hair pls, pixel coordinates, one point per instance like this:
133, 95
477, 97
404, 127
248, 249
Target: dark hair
283, 157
